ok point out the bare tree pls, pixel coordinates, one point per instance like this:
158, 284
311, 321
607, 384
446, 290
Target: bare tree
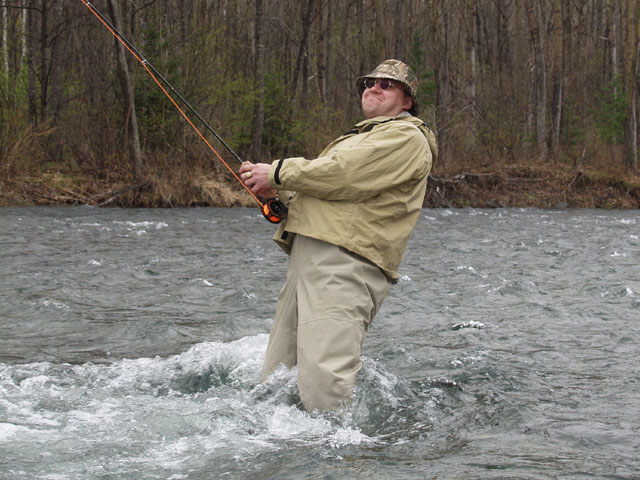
631, 85
132, 136
58, 57
509, 79
4, 23
539, 76
31, 34
557, 74
258, 108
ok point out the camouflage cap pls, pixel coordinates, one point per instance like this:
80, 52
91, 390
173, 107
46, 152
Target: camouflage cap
395, 70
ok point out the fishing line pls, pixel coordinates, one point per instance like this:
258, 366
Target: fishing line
273, 209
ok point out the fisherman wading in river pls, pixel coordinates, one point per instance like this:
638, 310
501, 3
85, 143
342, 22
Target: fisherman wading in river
351, 213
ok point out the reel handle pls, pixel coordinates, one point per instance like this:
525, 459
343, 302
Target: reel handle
274, 210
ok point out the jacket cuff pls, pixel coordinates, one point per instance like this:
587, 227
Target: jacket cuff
274, 173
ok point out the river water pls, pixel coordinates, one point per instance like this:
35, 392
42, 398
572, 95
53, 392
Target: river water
131, 343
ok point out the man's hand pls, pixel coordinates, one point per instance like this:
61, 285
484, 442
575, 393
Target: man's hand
256, 177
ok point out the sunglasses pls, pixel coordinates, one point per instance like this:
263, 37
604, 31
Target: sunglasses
384, 83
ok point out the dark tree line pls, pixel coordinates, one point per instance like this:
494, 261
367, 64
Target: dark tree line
510, 80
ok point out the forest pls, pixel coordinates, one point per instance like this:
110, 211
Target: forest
534, 102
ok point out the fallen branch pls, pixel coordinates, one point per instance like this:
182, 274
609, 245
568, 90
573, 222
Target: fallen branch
573, 180
461, 177
122, 191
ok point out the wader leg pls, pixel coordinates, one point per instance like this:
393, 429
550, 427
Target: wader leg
324, 310
338, 294
284, 331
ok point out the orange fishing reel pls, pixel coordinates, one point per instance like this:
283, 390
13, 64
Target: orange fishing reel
274, 210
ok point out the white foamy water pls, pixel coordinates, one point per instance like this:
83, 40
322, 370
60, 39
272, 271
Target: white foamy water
158, 416
131, 343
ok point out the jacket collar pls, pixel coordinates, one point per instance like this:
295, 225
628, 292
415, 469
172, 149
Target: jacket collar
369, 123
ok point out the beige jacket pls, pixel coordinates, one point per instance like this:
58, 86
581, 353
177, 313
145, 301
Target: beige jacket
364, 192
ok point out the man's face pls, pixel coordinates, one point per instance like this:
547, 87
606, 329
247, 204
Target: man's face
390, 102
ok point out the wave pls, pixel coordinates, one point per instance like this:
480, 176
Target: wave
168, 411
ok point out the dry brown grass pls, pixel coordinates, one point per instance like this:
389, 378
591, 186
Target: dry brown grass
595, 182
77, 188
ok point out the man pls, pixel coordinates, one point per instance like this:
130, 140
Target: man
351, 212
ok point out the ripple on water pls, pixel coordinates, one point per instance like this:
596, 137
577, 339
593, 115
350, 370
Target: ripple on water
132, 343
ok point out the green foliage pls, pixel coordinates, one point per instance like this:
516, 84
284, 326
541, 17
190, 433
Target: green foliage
282, 131
418, 60
609, 116
13, 88
14, 122
573, 125
232, 101
157, 119
4, 112
206, 52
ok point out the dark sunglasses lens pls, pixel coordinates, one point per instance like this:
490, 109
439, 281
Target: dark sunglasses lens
371, 82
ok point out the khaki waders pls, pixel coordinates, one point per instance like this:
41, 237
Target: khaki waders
324, 310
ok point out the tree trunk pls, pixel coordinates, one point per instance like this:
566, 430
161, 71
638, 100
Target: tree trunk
304, 42
631, 134
320, 52
539, 79
24, 23
32, 92
58, 57
258, 106
631, 78
439, 31
399, 34
301, 66
471, 49
4, 51
304, 100
631, 142
328, 52
131, 133
614, 41
44, 41
557, 76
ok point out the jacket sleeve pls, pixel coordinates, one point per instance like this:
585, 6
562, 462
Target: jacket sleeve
362, 166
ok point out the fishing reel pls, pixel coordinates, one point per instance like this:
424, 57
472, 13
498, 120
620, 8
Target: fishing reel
274, 210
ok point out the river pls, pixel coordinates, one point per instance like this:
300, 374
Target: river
131, 343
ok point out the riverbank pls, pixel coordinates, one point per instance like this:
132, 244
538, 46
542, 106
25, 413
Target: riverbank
541, 185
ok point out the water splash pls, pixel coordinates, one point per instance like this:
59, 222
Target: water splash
160, 414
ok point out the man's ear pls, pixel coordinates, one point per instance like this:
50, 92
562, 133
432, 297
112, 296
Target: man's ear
408, 102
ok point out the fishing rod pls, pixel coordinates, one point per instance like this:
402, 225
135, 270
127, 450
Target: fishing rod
272, 208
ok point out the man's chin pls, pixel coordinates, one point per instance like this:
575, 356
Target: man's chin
371, 111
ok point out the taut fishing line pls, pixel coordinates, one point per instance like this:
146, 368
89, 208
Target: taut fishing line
272, 208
